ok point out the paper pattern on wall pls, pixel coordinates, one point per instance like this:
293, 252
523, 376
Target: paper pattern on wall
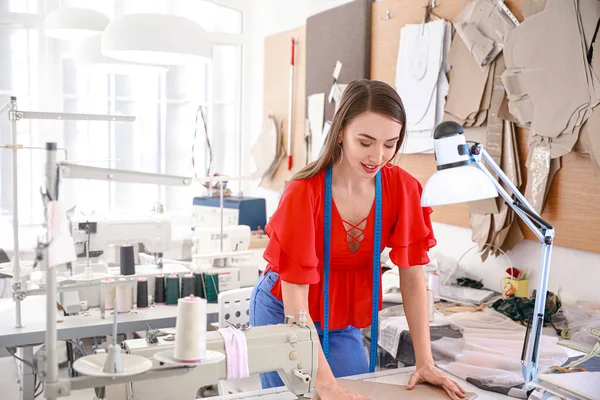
421, 80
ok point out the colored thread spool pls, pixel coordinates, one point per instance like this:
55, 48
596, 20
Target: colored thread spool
211, 286
188, 285
142, 293
172, 289
159, 289
109, 294
190, 329
127, 260
124, 297
199, 283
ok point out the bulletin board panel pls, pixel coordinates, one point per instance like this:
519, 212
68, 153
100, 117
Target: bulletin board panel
575, 191
339, 34
276, 96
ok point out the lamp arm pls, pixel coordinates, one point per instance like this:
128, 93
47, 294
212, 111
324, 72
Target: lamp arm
545, 233
543, 230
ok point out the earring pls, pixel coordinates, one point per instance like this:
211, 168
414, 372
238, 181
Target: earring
389, 165
341, 154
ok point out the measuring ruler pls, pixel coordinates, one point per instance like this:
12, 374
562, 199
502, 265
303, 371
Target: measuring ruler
376, 268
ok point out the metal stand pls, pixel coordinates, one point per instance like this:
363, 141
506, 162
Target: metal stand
545, 234
14, 115
50, 375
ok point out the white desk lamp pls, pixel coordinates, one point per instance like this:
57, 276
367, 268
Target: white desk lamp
462, 177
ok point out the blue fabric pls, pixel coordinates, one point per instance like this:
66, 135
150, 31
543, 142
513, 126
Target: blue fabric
346, 351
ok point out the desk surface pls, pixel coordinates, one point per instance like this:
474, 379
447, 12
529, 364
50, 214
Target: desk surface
78, 326
398, 376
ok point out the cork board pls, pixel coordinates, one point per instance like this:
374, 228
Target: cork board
576, 186
276, 97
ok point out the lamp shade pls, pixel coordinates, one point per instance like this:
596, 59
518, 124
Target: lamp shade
90, 55
74, 24
456, 180
156, 39
457, 185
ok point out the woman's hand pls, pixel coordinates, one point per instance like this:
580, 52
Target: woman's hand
429, 374
334, 391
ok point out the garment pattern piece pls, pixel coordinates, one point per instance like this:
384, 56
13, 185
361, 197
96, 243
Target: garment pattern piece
421, 80
546, 58
483, 28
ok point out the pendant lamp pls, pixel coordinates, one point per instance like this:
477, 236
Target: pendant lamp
74, 24
91, 57
156, 39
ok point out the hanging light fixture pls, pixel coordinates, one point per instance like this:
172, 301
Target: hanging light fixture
90, 56
74, 24
156, 39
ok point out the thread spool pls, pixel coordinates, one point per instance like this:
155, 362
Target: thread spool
159, 289
431, 305
211, 286
199, 283
109, 294
142, 293
434, 285
190, 329
124, 297
188, 285
127, 260
172, 289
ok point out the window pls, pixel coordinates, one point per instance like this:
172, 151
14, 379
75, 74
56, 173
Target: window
45, 76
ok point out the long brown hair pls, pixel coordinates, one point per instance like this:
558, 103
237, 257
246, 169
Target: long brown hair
360, 96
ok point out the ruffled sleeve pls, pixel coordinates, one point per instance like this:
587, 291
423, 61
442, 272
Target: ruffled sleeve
412, 235
291, 230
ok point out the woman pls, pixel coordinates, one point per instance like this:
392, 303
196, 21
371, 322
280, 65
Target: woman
353, 175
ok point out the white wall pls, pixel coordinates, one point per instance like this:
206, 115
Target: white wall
576, 274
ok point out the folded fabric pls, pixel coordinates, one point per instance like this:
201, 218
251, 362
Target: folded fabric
236, 351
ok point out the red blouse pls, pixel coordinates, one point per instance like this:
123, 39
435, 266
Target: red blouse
295, 249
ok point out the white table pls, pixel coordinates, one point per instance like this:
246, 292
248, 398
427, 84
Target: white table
76, 326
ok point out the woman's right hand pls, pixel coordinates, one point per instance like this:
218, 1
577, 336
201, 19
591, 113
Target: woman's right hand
334, 391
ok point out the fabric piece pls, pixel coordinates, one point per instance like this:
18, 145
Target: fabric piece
421, 80
504, 230
344, 344
295, 249
236, 351
536, 80
592, 365
520, 309
490, 350
467, 83
483, 27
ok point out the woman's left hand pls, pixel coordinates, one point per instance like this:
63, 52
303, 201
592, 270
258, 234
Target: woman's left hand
429, 374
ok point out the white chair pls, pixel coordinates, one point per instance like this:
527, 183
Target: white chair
234, 309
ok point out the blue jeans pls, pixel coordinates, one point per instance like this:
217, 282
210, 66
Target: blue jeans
346, 351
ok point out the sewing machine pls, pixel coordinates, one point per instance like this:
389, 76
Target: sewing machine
97, 235
226, 254
290, 349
